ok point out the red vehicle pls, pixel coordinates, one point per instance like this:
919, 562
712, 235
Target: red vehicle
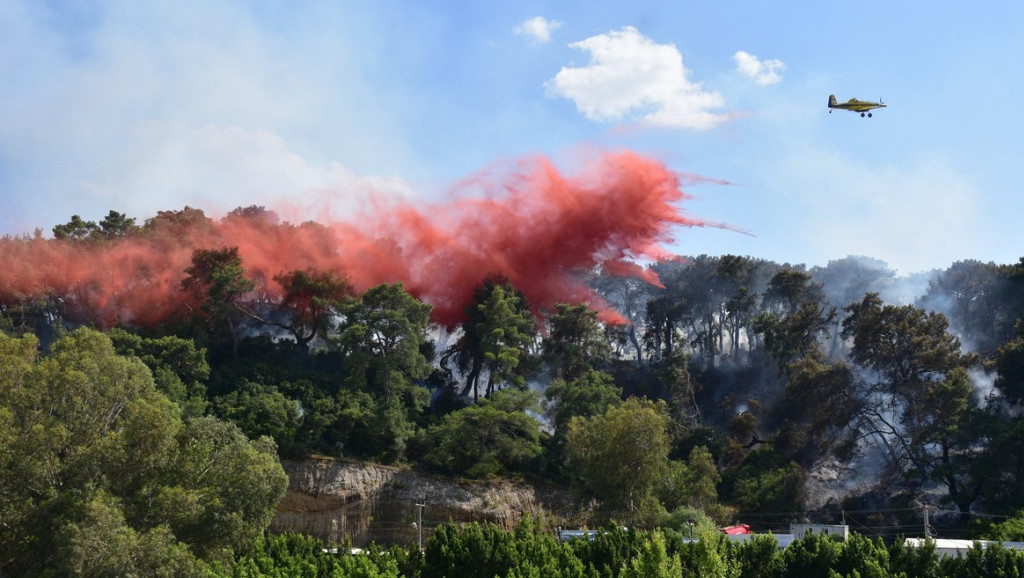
736, 529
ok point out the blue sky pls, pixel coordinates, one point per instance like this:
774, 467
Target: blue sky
146, 106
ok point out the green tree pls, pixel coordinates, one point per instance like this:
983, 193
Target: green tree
653, 561
822, 405
254, 215
664, 313
968, 294
475, 551
588, 395
217, 278
172, 226
694, 301
94, 460
674, 374
906, 345
628, 294
815, 555
789, 289
912, 561
991, 560
620, 457
75, 230
261, 410
766, 482
1002, 467
951, 422
114, 226
492, 437
179, 368
1009, 365
708, 557
117, 226
312, 300
1008, 530
847, 280
1010, 301
383, 340
287, 554
760, 557
225, 489
100, 542
700, 486
496, 338
384, 333
707, 303
789, 337
795, 317
575, 341
921, 399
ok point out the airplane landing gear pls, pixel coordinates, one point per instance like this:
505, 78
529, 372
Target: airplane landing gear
869, 115
862, 115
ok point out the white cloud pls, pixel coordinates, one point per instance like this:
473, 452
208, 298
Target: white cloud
630, 77
538, 28
764, 72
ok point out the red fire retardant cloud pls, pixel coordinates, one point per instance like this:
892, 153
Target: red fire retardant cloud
531, 224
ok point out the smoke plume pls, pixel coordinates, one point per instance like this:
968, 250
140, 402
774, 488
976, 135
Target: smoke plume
532, 224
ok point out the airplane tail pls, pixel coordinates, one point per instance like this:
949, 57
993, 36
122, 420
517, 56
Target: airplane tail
832, 101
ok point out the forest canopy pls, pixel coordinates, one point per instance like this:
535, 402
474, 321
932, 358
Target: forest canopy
152, 407
100, 471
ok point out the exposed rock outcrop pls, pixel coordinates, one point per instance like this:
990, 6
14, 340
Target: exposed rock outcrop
336, 500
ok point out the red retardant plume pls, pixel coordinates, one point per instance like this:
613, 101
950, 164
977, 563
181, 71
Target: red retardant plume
533, 225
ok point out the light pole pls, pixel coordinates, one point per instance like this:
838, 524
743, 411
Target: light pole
419, 524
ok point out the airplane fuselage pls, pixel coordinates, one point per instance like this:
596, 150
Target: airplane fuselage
853, 105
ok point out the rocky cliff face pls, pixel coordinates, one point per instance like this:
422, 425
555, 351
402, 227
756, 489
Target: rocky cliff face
336, 500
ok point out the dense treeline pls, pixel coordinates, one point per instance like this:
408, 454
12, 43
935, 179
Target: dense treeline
733, 386
101, 475
484, 551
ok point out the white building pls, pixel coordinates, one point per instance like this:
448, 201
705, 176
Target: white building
952, 547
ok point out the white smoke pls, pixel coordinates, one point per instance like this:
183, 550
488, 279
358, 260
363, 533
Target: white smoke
983, 385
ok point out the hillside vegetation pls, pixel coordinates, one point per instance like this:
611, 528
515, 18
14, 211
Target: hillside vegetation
708, 388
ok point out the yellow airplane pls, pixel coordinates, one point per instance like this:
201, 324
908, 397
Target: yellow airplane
854, 105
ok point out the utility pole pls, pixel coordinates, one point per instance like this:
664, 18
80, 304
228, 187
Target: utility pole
631, 508
927, 529
419, 524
